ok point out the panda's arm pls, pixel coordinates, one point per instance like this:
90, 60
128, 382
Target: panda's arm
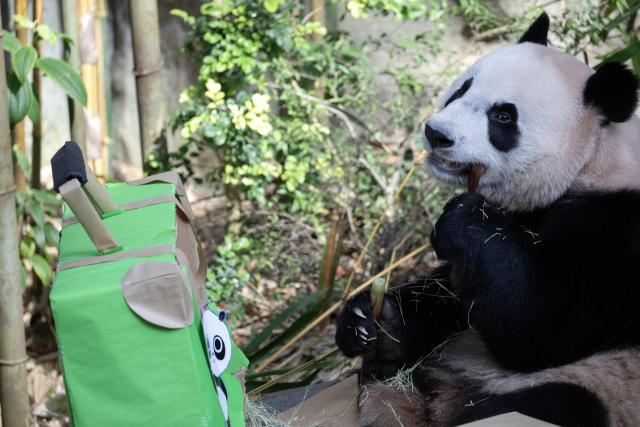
560, 293
429, 311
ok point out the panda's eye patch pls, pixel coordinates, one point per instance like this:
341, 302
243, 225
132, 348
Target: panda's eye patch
460, 92
503, 113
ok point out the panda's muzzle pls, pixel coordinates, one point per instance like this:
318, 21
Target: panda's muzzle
436, 139
448, 166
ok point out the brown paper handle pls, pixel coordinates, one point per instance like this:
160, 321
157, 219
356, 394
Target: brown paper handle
87, 215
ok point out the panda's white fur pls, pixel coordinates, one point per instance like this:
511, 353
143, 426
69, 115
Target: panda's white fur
562, 145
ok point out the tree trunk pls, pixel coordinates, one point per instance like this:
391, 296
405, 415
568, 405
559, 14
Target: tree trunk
76, 115
148, 72
13, 372
36, 143
18, 129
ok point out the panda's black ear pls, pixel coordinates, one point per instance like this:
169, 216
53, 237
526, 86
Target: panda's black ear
537, 32
613, 89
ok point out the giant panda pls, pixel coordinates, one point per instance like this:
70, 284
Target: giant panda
536, 307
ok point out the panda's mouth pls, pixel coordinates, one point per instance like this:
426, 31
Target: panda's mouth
449, 167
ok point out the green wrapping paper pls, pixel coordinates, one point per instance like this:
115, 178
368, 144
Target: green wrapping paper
129, 323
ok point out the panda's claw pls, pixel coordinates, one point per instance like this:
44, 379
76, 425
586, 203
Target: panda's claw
359, 312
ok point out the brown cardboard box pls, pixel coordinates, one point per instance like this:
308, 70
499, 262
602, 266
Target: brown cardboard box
337, 407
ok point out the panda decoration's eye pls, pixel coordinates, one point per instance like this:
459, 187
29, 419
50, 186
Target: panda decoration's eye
218, 347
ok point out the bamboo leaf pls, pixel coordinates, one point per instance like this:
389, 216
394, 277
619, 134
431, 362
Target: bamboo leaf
18, 98
10, 42
292, 330
278, 321
64, 76
41, 268
24, 59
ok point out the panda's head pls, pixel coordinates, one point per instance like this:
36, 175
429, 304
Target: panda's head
531, 115
217, 339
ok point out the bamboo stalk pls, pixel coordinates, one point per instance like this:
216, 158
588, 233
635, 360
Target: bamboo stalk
36, 142
76, 115
336, 306
102, 164
383, 217
148, 72
14, 398
18, 130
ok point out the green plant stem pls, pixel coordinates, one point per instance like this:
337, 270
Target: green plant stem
14, 398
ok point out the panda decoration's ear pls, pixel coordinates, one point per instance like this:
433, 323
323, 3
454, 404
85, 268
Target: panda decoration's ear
537, 32
613, 89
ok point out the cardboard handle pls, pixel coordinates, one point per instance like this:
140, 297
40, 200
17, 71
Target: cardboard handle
84, 194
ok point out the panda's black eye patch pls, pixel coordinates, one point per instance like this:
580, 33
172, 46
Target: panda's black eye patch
460, 92
503, 126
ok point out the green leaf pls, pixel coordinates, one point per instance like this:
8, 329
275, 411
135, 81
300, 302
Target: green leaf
34, 106
23, 61
299, 324
47, 197
52, 234
277, 322
46, 34
272, 5
18, 98
40, 238
11, 42
41, 268
34, 208
24, 22
64, 76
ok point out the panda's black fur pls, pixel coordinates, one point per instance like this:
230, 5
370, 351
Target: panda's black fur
534, 311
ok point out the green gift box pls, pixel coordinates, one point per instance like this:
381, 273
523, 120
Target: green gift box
128, 302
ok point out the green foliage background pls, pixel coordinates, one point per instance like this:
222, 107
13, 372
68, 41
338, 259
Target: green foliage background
292, 113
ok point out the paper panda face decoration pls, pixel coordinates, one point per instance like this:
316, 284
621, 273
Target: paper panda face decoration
218, 341
536, 119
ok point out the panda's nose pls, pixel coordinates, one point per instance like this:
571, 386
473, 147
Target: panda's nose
436, 139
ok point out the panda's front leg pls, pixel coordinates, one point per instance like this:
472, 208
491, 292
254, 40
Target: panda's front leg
469, 229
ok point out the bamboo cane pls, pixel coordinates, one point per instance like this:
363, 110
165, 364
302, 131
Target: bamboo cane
76, 115
336, 306
13, 372
18, 130
148, 72
36, 142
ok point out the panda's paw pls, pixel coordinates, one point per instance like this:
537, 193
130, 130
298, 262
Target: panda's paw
466, 220
355, 327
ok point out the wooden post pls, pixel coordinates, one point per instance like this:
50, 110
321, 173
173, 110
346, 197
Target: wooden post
76, 114
148, 72
18, 130
36, 143
13, 371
